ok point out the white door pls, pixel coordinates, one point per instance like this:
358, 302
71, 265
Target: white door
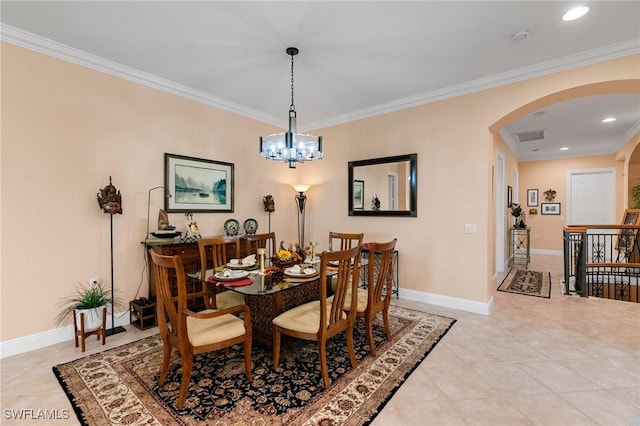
591, 197
591, 203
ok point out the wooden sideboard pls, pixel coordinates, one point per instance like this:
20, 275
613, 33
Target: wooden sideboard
190, 255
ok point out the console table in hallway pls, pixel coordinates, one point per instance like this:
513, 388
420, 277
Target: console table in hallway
520, 246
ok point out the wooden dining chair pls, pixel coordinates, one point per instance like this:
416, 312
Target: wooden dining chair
343, 240
256, 241
320, 320
216, 249
377, 296
193, 332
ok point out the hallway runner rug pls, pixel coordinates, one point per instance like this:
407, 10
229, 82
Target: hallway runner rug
527, 282
119, 386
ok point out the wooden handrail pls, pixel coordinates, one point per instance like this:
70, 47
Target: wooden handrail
577, 228
613, 265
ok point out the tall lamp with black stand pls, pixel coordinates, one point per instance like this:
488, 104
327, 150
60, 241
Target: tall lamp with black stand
301, 200
110, 201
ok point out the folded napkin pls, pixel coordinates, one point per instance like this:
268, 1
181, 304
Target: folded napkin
247, 261
297, 269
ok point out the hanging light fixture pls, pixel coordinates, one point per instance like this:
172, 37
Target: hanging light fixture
291, 147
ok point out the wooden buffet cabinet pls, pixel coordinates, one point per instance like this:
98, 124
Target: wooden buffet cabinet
190, 255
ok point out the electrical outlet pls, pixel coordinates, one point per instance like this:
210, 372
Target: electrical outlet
94, 282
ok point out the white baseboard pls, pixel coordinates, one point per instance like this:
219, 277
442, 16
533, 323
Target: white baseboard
51, 337
63, 334
448, 302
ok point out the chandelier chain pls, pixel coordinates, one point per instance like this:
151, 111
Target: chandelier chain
292, 107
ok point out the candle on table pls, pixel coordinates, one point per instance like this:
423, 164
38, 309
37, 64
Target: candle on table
261, 254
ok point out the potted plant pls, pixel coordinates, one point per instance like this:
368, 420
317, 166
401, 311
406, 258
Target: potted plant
88, 299
516, 211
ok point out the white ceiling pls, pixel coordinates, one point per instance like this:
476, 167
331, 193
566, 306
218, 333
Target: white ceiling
356, 59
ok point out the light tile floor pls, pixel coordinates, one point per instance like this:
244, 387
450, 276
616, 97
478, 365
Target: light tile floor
533, 361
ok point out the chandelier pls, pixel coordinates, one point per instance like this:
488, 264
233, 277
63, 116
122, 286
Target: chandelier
291, 147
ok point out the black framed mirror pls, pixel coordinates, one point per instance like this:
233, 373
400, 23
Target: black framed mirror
386, 186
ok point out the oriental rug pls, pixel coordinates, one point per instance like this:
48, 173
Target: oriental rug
119, 386
527, 282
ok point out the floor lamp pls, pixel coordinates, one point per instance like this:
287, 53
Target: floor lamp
110, 201
301, 199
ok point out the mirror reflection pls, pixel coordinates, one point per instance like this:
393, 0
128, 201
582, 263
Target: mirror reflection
383, 186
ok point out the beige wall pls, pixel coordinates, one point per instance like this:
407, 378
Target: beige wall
546, 230
66, 129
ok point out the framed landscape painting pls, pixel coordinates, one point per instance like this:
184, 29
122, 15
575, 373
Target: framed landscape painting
197, 185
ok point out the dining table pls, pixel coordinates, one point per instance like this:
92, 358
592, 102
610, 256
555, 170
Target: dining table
268, 294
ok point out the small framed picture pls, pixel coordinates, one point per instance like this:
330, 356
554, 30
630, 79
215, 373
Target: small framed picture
550, 208
509, 196
532, 197
358, 195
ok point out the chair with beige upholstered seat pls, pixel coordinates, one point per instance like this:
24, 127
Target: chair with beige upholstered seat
320, 320
344, 240
217, 248
377, 296
193, 332
266, 241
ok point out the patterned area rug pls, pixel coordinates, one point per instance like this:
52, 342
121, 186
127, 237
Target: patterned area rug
119, 386
527, 282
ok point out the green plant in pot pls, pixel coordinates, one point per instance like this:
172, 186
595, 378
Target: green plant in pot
88, 299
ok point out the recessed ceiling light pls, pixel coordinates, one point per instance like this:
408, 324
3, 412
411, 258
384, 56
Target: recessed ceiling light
539, 113
564, 148
575, 13
609, 119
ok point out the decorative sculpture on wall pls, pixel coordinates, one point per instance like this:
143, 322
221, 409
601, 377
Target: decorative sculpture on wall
269, 203
269, 207
549, 195
109, 199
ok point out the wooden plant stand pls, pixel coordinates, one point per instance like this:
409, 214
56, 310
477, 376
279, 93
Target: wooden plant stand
101, 331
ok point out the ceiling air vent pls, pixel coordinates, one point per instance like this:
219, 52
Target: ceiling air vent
532, 135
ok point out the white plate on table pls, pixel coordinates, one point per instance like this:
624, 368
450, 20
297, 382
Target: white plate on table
235, 275
297, 273
239, 266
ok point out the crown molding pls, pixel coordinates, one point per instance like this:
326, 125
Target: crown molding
66, 53
577, 60
49, 47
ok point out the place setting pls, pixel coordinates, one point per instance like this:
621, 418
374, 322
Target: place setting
300, 273
230, 278
246, 263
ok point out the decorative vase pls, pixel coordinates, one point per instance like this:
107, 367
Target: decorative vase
92, 318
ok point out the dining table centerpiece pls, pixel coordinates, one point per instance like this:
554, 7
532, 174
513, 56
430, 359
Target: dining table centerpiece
287, 257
